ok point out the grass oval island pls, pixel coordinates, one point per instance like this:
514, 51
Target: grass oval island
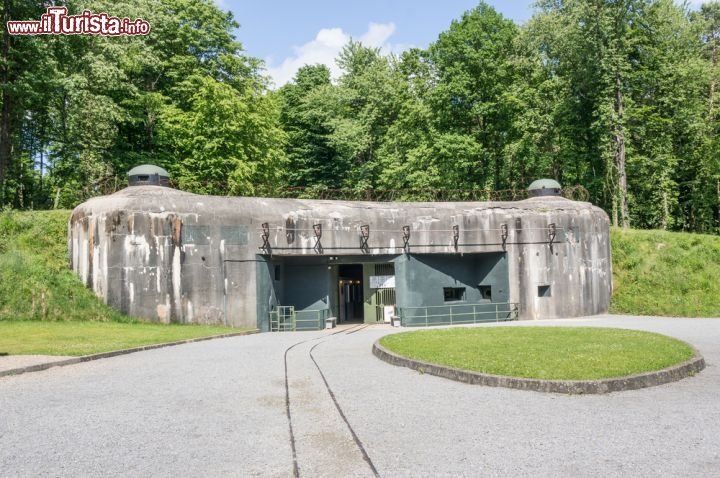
574, 360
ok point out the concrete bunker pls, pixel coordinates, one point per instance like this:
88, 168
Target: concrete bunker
289, 264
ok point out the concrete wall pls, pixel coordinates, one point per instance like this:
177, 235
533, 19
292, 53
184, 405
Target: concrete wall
166, 255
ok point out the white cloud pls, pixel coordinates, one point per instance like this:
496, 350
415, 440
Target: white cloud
326, 46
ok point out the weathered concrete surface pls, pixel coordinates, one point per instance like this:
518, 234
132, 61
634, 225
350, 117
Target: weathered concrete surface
167, 255
217, 408
674, 373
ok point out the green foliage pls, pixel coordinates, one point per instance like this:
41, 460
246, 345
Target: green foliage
312, 159
86, 338
234, 143
549, 353
93, 107
665, 273
618, 96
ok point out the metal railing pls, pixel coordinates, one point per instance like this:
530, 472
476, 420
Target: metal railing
286, 319
311, 319
282, 319
457, 314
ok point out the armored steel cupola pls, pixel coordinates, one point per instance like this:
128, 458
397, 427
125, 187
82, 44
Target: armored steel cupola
544, 187
148, 175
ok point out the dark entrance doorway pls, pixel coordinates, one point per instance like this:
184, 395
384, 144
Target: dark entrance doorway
350, 293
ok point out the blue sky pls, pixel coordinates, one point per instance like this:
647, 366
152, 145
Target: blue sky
287, 34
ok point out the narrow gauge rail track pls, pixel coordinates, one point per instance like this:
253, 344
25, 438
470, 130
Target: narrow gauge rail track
288, 412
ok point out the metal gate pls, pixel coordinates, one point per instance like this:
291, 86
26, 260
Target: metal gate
383, 297
286, 319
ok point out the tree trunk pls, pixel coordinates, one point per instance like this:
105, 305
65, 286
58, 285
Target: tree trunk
5, 114
620, 154
713, 79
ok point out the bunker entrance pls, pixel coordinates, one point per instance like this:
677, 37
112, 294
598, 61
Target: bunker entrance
350, 293
365, 292
302, 293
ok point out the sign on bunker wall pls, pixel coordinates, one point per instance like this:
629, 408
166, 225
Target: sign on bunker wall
382, 282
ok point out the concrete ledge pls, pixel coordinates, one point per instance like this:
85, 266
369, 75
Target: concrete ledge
573, 387
88, 358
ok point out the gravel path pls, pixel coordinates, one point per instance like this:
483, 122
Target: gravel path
218, 408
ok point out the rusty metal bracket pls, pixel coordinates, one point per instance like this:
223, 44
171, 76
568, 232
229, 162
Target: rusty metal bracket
456, 236
552, 233
364, 236
317, 229
406, 239
266, 248
504, 235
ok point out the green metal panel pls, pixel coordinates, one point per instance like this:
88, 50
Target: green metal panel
368, 305
306, 286
265, 292
420, 279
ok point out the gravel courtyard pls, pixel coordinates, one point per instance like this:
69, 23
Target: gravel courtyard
220, 408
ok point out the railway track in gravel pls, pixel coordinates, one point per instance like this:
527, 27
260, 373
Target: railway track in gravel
288, 411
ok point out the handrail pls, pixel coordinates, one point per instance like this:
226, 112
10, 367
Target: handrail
498, 311
286, 319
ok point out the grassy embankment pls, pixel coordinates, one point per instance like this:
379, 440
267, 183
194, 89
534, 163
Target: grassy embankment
665, 273
37, 285
549, 353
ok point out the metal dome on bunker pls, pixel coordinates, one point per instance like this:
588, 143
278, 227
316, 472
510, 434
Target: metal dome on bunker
148, 175
544, 187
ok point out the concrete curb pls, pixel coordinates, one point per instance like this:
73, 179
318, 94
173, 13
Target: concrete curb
572, 387
87, 358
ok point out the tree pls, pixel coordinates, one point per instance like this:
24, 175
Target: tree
226, 142
702, 202
312, 160
79, 111
472, 64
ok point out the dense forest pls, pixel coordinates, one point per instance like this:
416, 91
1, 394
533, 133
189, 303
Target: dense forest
618, 96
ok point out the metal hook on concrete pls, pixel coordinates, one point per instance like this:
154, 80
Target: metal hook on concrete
364, 236
317, 229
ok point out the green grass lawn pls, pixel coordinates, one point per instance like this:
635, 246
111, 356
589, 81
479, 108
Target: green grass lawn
557, 353
85, 338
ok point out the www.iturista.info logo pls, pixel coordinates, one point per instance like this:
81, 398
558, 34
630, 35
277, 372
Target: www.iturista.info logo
57, 22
